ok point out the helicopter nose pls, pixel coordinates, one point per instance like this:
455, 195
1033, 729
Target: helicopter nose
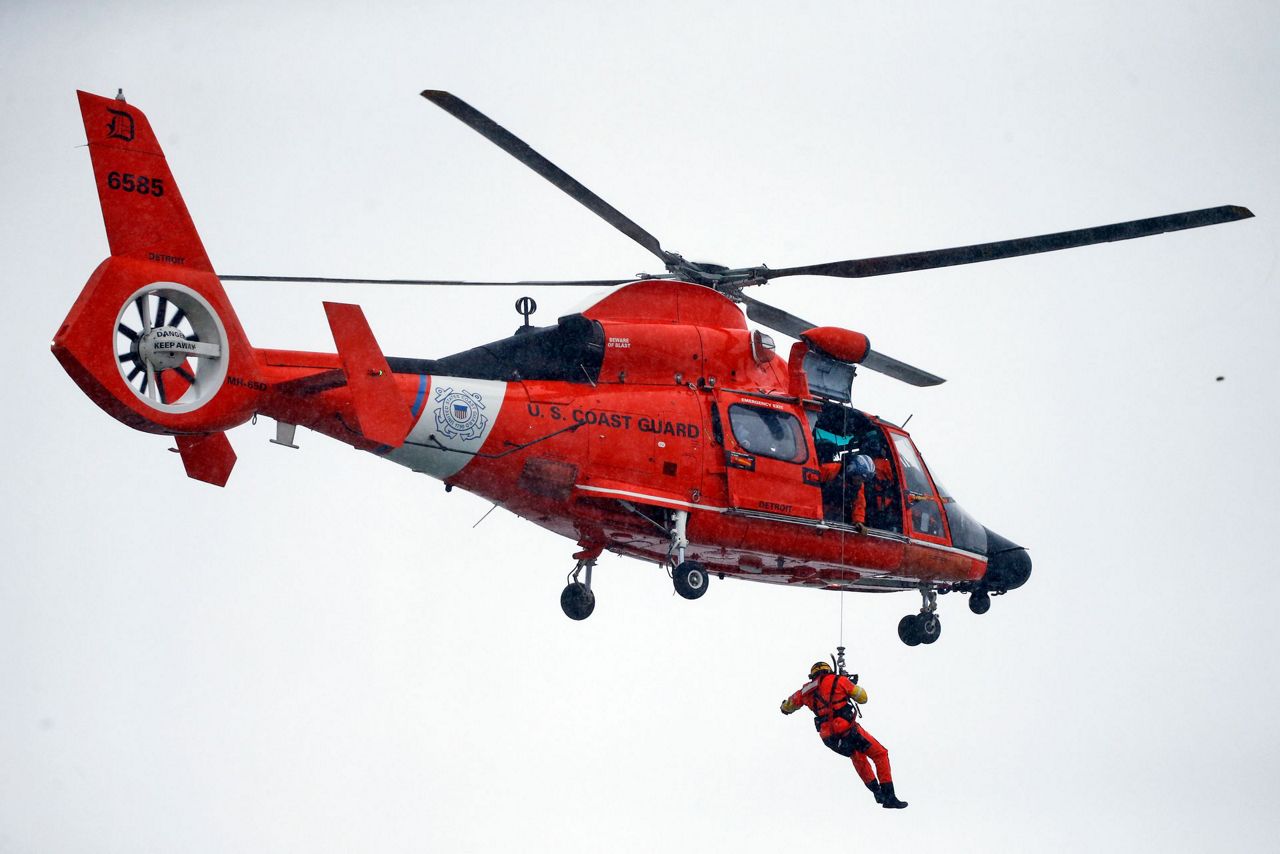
1008, 564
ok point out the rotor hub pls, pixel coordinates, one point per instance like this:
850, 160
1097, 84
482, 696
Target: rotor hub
165, 348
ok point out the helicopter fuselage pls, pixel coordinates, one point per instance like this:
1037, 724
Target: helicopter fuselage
663, 385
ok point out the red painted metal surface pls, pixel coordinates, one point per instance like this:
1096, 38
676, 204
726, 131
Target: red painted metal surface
381, 410
594, 461
209, 457
843, 344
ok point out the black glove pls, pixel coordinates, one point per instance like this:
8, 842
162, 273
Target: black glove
854, 679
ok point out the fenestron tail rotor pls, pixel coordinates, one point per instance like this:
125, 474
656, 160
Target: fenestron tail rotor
169, 345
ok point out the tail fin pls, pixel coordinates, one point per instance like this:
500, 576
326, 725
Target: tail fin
141, 206
153, 339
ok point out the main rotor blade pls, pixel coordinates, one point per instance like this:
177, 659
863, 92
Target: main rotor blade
775, 318
584, 283
521, 151
888, 264
891, 367
789, 324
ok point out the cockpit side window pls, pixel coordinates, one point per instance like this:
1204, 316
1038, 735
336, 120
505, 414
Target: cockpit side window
926, 514
769, 433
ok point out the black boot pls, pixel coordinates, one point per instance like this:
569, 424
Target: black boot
877, 791
891, 801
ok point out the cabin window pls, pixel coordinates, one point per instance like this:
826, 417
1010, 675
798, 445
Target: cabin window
768, 432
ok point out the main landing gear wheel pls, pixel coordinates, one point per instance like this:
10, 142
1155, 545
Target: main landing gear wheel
916, 629
908, 631
979, 601
928, 628
690, 579
925, 627
577, 601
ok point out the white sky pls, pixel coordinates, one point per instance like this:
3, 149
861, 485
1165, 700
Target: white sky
326, 657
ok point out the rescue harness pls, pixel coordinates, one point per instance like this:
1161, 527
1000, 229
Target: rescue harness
827, 708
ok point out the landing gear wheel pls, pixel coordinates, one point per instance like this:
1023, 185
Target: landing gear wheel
979, 601
691, 579
928, 628
577, 601
909, 629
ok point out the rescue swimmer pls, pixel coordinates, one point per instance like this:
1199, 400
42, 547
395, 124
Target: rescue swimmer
833, 698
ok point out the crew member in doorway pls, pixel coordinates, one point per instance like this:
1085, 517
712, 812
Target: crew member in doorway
883, 496
833, 699
859, 469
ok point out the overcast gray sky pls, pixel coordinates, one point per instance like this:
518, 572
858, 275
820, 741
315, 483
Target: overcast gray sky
326, 656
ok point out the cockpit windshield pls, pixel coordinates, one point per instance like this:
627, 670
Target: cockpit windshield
966, 532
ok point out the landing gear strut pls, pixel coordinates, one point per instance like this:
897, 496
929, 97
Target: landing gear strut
925, 627
689, 577
577, 601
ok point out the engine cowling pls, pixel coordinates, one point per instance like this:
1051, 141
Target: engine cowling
842, 344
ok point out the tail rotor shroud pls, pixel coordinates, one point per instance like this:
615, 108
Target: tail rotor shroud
170, 346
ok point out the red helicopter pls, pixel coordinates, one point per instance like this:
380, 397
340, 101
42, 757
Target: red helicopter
656, 424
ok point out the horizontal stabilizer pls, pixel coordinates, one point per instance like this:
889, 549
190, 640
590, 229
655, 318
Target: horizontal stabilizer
208, 457
383, 414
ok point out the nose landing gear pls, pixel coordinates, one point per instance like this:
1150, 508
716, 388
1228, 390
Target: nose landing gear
925, 627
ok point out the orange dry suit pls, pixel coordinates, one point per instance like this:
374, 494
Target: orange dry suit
828, 697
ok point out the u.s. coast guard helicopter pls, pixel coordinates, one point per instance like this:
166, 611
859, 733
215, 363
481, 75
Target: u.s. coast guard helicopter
655, 424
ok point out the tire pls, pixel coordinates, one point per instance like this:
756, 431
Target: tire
929, 628
577, 601
691, 579
979, 601
909, 629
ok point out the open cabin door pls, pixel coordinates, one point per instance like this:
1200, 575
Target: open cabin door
768, 457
